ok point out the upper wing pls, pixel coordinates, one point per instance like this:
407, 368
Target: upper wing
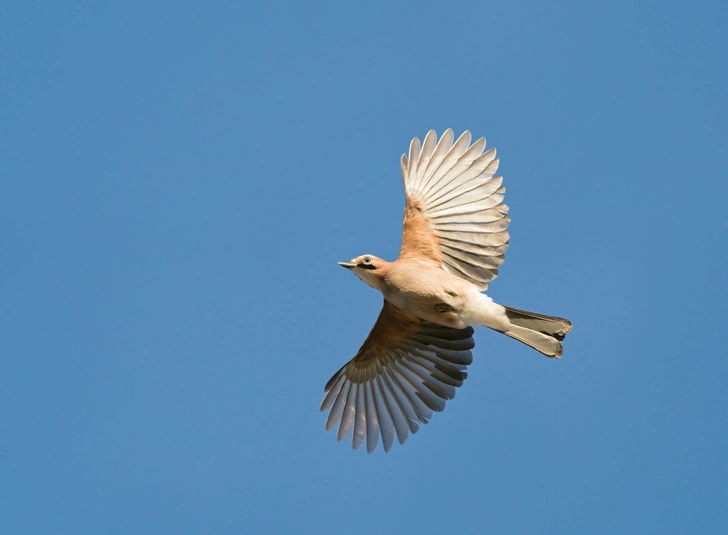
454, 212
406, 369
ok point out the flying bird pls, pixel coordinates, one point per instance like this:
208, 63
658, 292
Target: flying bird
453, 241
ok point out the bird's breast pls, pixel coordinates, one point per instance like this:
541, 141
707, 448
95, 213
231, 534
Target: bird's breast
428, 292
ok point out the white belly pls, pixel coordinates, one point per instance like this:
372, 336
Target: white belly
438, 296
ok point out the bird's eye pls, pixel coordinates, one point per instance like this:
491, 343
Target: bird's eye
367, 259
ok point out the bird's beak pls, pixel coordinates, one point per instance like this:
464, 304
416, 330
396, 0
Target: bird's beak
347, 265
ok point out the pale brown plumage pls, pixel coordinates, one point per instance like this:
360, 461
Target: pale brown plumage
453, 240
418, 240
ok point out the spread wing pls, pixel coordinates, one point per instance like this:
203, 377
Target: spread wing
405, 370
454, 213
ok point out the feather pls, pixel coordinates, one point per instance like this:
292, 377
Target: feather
478, 167
333, 391
360, 418
492, 226
486, 216
466, 194
347, 417
476, 206
451, 159
493, 239
414, 156
428, 147
400, 420
338, 407
482, 261
441, 150
372, 417
384, 416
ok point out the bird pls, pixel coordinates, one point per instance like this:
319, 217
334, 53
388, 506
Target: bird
454, 236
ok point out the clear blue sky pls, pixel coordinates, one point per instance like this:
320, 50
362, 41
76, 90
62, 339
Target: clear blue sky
179, 180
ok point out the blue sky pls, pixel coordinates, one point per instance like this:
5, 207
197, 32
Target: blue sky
180, 179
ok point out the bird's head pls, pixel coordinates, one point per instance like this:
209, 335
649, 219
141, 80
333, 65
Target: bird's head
368, 268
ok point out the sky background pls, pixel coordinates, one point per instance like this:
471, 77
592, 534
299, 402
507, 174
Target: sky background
179, 180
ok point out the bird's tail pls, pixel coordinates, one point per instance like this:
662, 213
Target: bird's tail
543, 333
